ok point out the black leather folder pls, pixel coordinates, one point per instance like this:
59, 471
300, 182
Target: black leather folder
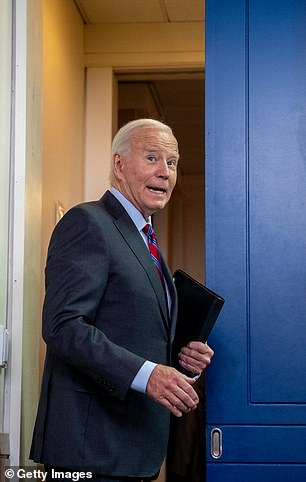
198, 309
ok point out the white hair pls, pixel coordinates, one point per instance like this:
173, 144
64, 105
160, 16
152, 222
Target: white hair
122, 140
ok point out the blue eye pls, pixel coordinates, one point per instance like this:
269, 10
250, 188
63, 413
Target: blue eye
172, 162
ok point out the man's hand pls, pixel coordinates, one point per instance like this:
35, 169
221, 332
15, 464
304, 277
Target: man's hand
195, 357
172, 389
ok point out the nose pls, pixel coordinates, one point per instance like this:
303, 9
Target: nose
163, 169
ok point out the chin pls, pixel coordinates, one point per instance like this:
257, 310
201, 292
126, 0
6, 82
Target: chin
152, 208
159, 207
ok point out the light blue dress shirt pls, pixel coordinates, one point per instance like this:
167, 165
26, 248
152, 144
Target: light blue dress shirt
142, 376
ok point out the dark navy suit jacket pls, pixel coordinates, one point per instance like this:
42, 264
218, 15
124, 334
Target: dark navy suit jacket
104, 315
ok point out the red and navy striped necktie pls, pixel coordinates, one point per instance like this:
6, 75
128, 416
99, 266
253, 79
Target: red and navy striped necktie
155, 254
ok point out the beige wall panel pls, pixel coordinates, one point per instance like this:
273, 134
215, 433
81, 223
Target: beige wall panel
145, 46
63, 113
163, 37
99, 127
63, 81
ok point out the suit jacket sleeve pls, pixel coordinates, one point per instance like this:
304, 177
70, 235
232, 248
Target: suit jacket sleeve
76, 278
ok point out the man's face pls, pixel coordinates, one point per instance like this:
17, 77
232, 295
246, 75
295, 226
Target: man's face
147, 175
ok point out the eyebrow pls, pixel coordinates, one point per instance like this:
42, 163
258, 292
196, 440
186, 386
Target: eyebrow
156, 149
152, 149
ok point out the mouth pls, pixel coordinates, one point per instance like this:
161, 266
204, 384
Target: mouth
157, 189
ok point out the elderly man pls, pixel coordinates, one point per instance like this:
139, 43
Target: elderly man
109, 321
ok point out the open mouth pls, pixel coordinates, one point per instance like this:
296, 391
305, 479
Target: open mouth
158, 190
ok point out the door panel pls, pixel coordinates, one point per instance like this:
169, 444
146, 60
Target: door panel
263, 444
277, 121
256, 235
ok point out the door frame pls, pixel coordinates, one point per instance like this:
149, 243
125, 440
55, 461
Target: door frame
13, 378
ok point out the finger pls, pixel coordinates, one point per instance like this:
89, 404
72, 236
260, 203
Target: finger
197, 365
191, 368
184, 391
200, 347
182, 401
191, 357
177, 404
187, 391
173, 409
176, 411
170, 406
199, 362
193, 354
177, 400
196, 354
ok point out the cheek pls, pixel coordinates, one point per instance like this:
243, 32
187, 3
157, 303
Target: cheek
173, 182
134, 179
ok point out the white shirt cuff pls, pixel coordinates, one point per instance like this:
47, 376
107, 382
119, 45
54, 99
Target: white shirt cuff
142, 376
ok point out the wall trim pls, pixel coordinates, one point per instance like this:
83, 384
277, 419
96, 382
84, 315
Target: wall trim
12, 410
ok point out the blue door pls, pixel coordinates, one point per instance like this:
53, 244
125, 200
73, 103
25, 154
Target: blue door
256, 239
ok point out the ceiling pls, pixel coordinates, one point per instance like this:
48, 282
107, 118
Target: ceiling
179, 96
135, 11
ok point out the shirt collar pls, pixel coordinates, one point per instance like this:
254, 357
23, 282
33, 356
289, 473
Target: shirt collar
132, 211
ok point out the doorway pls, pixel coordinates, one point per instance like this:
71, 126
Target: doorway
178, 100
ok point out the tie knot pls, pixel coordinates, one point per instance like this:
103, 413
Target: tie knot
149, 231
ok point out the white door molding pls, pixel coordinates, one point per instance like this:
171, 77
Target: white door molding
12, 416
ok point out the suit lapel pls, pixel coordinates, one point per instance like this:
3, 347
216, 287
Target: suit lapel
132, 237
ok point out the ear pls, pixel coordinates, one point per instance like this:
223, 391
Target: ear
118, 162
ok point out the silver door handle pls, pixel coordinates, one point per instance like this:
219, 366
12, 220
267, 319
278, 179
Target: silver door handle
216, 443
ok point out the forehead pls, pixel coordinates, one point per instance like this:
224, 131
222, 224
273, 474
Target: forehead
148, 139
